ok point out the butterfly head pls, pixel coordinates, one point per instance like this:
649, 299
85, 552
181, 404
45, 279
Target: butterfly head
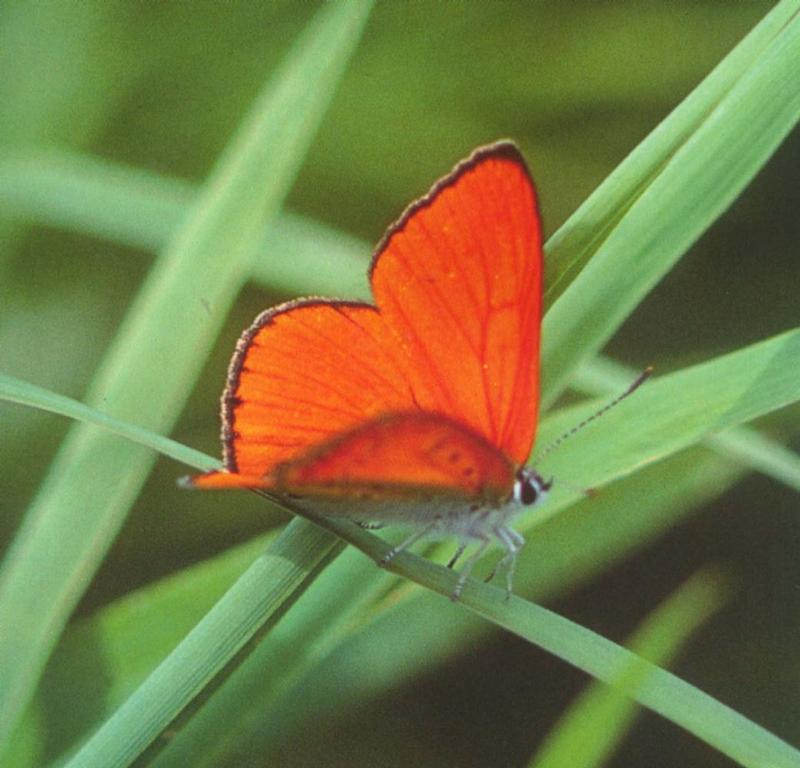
530, 488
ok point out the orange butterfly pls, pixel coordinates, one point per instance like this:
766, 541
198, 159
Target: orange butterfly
422, 408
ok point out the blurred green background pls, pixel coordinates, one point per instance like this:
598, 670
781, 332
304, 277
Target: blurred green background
161, 87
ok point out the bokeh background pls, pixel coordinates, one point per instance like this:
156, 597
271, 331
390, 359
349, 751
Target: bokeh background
162, 86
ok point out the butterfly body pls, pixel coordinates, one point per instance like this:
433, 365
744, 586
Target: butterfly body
418, 409
433, 513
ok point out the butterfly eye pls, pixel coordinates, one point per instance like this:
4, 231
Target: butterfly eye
529, 488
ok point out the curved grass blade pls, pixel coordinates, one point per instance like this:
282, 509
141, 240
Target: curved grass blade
57, 550
135, 632
15, 390
749, 447
672, 412
571, 247
697, 183
141, 209
590, 730
713, 395
710, 720
382, 654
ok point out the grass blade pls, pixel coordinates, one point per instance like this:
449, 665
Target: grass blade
142, 209
214, 648
707, 398
597, 721
221, 720
718, 725
662, 220
134, 633
710, 720
602, 376
570, 248
677, 410
57, 551
383, 655
16, 391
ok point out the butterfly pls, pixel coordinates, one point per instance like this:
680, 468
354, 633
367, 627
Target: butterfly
420, 409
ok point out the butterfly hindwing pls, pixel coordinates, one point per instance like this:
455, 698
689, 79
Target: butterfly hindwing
398, 456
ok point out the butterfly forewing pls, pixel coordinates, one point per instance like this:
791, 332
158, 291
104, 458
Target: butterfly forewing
306, 371
458, 280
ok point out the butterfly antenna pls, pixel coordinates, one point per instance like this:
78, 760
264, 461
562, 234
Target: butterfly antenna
640, 379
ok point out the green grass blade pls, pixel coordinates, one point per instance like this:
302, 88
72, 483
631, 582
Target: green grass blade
757, 452
555, 563
378, 653
579, 238
672, 412
597, 721
142, 209
710, 720
82, 193
661, 221
566, 550
667, 415
16, 391
213, 649
719, 726
133, 634
95, 477
603, 376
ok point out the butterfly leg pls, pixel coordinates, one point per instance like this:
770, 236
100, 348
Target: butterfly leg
454, 559
468, 566
512, 541
406, 543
